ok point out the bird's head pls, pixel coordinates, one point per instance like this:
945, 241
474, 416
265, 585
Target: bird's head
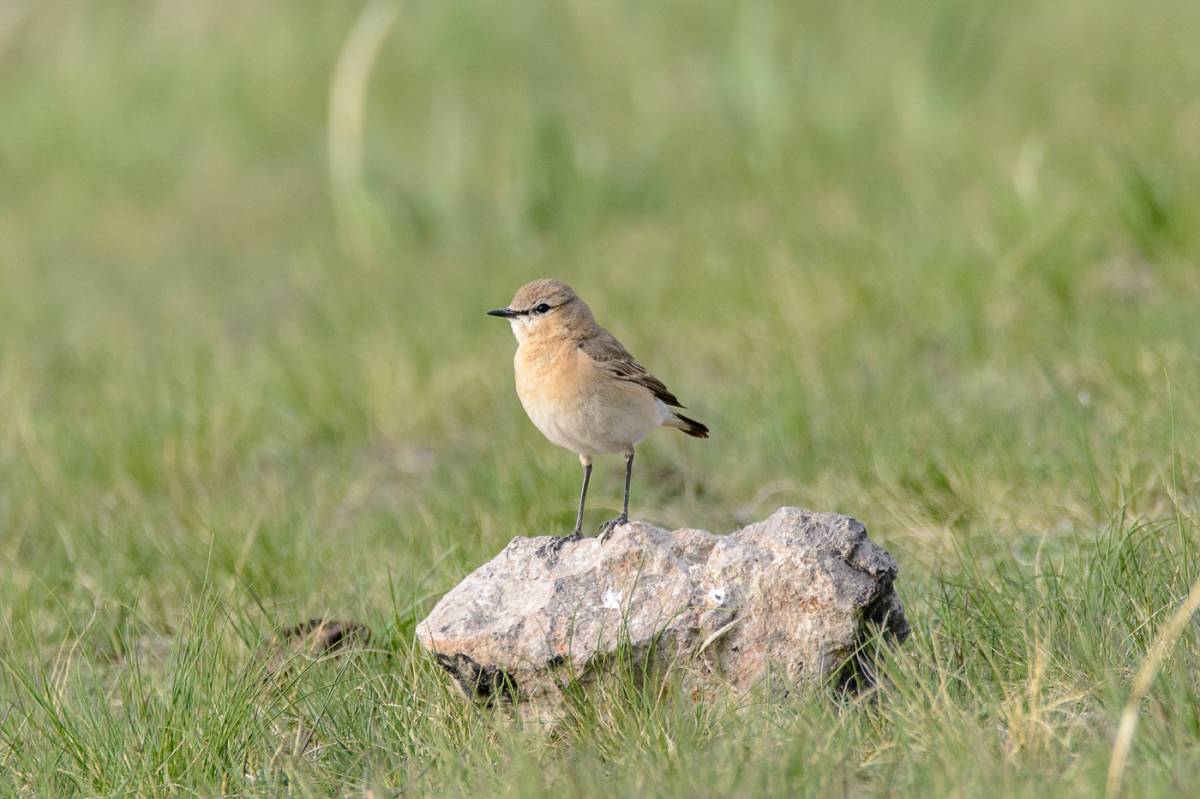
544, 309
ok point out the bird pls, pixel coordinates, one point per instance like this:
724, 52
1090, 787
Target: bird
582, 389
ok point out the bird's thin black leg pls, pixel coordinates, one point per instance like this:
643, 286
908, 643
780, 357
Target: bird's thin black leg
587, 475
557, 542
608, 527
628, 479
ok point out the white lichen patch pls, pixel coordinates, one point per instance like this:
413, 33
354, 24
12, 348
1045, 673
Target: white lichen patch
612, 599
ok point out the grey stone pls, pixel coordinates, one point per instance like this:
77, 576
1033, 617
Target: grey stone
801, 596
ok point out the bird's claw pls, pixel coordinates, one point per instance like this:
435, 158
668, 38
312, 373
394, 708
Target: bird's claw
608, 527
556, 543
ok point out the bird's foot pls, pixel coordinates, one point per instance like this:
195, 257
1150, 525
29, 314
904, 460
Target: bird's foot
556, 543
607, 528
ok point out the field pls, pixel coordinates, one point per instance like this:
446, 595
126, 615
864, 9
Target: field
932, 264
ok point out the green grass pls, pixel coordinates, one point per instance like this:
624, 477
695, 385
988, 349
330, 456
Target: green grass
933, 264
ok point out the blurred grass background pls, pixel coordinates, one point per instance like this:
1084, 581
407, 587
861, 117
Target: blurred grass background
933, 264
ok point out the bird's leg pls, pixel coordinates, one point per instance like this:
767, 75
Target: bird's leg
558, 541
586, 460
628, 478
607, 528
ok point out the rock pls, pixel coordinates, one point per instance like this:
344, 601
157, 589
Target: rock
322, 636
800, 594
311, 639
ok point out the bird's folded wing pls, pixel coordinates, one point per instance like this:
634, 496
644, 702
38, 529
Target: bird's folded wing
614, 358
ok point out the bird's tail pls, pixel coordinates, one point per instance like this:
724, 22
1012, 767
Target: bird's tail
689, 426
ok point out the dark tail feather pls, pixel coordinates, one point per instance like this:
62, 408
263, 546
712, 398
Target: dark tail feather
689, 426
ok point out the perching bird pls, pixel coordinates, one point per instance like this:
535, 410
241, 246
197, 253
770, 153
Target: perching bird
581, 388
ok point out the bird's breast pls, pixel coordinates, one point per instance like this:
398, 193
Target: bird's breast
552, 376
578, 405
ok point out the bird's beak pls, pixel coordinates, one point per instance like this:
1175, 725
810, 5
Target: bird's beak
504, 312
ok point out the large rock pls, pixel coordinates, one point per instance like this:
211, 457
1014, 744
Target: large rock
801, 595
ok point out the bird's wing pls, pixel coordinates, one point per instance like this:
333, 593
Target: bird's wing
605, 350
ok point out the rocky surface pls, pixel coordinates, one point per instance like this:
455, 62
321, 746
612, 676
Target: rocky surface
313, 639
797, 596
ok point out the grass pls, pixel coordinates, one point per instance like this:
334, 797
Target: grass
931, 264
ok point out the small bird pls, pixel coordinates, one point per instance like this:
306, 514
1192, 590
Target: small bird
581, 388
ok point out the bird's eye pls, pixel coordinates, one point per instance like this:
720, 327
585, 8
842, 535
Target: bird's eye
543, 308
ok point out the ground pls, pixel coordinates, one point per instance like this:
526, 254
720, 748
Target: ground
930, 264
